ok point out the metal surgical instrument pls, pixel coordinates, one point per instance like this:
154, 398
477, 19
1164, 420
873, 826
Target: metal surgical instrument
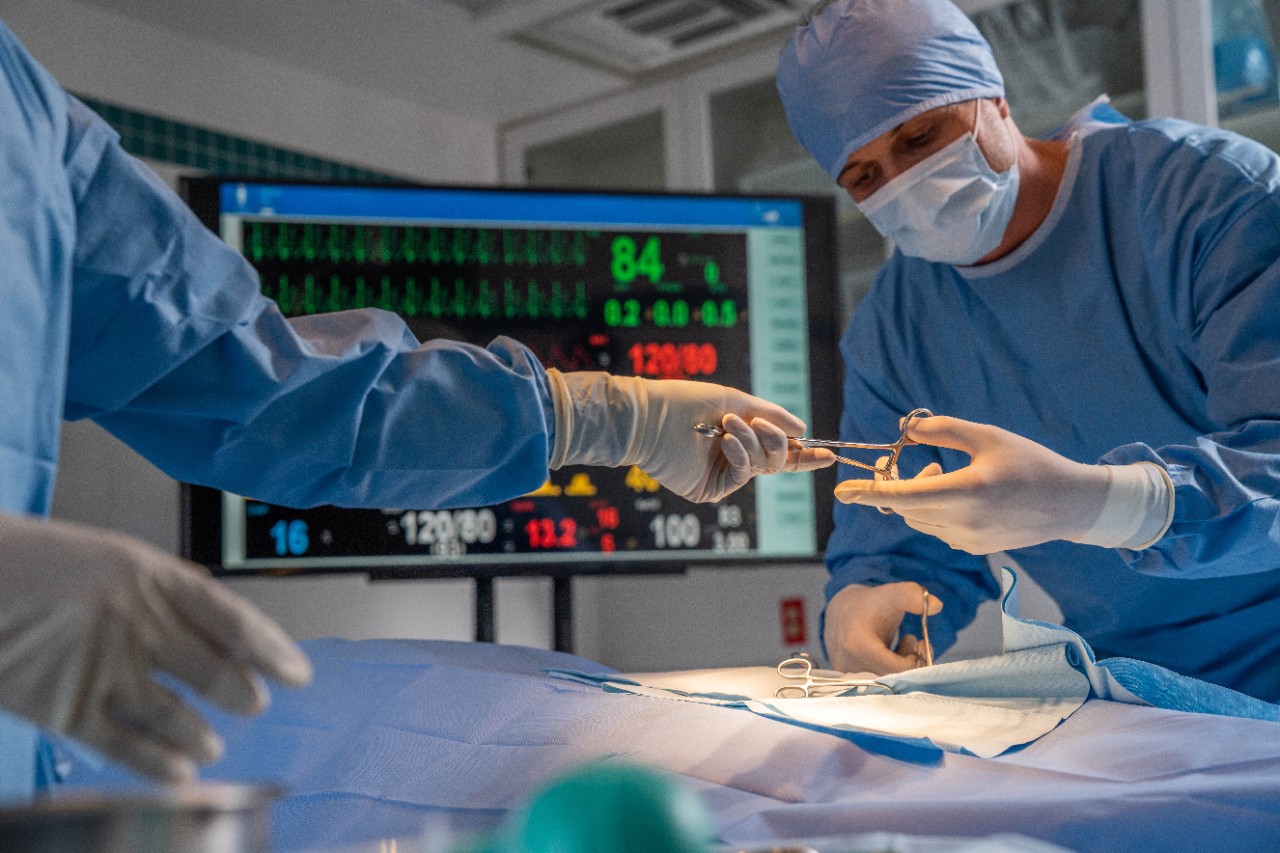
809, 683
886, 471
925, 645
886, 468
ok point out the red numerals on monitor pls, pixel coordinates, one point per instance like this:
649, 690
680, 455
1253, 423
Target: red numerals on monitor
550, 533
673, 361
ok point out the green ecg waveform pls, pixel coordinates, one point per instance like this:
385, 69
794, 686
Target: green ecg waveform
434, 297
387, 244
441, 273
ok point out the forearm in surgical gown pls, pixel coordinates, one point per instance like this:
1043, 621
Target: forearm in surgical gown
1140, 322
134, 314
175, 352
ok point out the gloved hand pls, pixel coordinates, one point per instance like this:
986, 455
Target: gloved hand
862, 622
1015, 493
625, 420
87, 616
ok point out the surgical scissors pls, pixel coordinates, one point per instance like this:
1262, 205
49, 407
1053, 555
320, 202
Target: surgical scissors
886, 471
809, 683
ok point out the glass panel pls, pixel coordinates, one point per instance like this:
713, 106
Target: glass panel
629, 155
754, 151
1058, 55
1244, 66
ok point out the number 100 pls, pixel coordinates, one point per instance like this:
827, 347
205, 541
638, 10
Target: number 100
676, 531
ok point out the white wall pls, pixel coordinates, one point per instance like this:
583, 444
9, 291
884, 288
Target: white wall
113, 58
711, 617
118, 59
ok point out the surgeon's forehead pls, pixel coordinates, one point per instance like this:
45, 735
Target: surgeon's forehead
882, 143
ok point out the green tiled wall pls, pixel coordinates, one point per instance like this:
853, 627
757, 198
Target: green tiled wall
157, 138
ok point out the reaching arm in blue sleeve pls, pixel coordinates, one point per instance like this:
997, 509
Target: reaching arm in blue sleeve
174, 350
1225, 275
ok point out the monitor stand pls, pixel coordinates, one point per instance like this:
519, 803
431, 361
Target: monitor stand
561, 612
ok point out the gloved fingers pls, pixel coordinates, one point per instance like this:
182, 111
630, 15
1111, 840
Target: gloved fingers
862, 624
938, 531
954, 434
908, 597
768, 450
182, 650
809, 458
979, 547
876, 656
905, 496
924, 525
135, 750
152, 711
727, 474
961, 539
773, 442
748, 408
960, 525
908, 647
933, 469
740, 444
765, 444
868, 653
235, 627
736, 455
913, 598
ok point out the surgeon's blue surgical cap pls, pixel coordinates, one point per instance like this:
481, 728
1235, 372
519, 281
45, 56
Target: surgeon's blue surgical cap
859, 68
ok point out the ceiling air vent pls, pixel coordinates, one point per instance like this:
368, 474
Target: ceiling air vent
637, 36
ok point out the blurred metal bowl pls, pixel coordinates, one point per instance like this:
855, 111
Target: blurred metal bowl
189, 819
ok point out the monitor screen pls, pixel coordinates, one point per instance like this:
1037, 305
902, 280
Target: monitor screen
729, 289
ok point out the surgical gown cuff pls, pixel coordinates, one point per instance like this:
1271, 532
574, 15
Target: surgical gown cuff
562, 415
600, 419
1138, 508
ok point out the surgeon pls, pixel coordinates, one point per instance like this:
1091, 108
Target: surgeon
1095, 317
121, 307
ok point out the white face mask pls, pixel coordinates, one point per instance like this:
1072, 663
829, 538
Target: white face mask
950, 207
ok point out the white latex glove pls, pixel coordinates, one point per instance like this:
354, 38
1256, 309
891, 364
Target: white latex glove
1015, 493
862, 622
88, 616
625, 420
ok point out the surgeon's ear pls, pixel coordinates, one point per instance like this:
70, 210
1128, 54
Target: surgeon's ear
1002, 105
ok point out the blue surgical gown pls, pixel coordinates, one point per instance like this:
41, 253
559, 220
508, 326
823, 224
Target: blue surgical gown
1140, 322
120, 306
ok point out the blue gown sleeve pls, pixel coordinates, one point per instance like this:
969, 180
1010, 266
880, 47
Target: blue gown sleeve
866, 546
174, 350
1217, 229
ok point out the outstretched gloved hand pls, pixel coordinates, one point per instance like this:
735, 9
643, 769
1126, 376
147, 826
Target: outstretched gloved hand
88, 617
609, 420
1015, 493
